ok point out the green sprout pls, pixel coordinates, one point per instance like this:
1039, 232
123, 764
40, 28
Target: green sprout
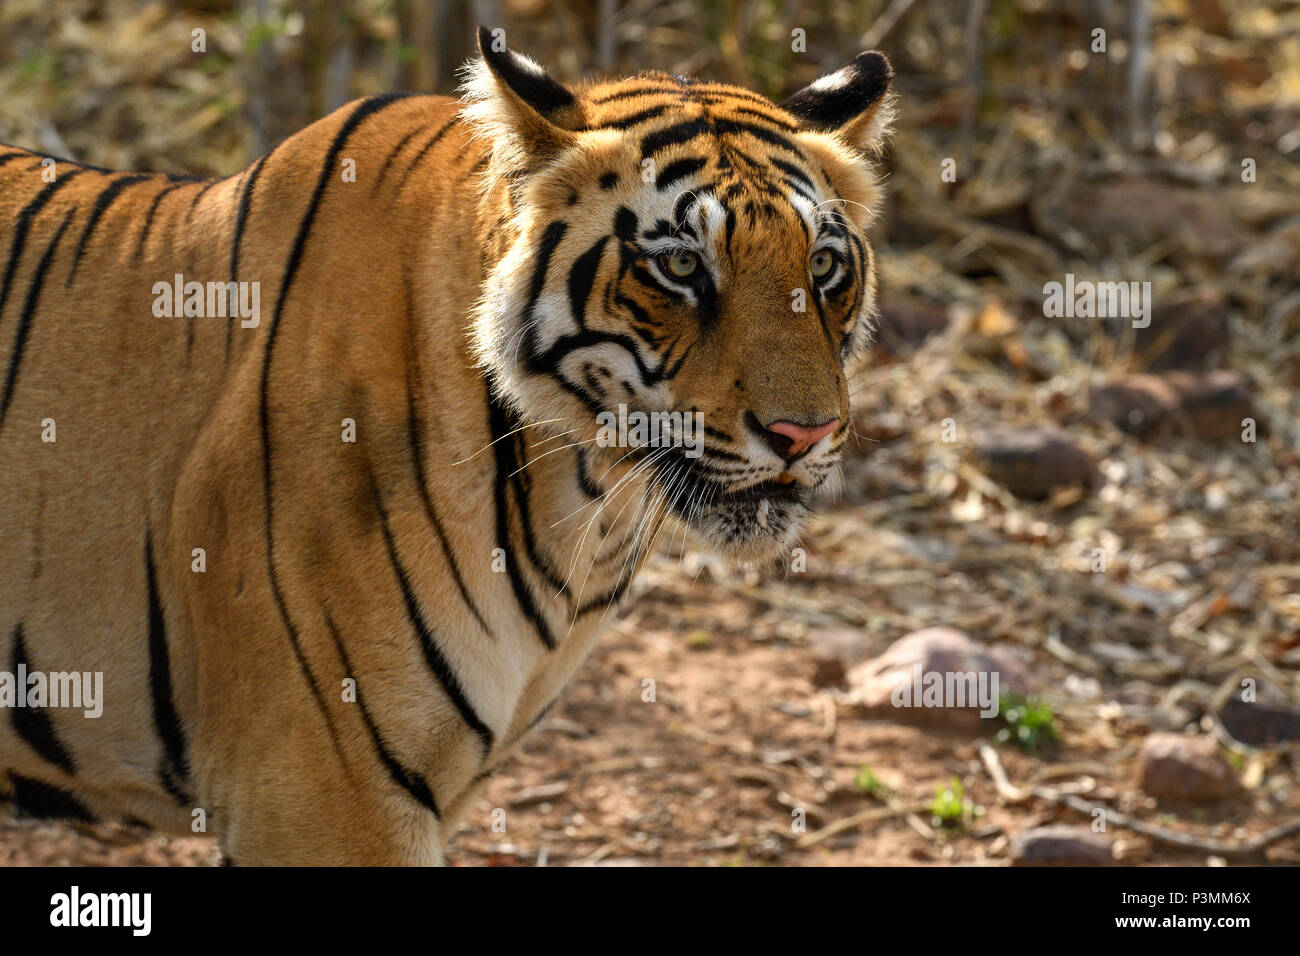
1030, 724
871, 785
951, 808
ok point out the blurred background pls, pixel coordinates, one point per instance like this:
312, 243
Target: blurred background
1108, 514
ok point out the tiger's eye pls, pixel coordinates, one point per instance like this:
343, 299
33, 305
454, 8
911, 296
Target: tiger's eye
821, 264
682, 264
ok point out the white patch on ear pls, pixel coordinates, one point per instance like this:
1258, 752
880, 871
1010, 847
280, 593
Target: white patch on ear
525, 62
831, 81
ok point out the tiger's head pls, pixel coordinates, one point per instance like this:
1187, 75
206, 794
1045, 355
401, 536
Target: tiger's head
660, 245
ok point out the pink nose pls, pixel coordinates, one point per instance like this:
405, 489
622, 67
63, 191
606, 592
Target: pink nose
789, 440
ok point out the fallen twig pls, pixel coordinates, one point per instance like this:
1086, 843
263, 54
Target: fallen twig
1014, 794
853, 822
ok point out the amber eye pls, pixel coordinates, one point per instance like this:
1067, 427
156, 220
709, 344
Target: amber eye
681, 264
821, 264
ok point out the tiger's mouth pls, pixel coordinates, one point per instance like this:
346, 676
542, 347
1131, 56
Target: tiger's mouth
758, 522
773, 491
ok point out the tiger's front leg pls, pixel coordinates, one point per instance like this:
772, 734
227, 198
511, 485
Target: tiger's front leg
319, 825
292, 778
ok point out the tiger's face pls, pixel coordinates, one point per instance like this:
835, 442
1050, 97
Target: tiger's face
687, 284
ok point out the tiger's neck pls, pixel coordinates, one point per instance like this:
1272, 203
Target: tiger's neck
564, 522
599, 520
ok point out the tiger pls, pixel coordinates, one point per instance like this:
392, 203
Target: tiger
336, 540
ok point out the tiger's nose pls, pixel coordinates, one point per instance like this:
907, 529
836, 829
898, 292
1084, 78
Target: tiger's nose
789, 439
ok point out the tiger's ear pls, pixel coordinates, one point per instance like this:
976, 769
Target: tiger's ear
853, 103
529, 115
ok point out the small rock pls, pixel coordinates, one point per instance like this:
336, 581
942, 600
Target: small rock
828, 672
1258, 723
1184, 768
1138, 405
1033, 462
834, 651
1210, 405
1061, 845
1189, 331
904, 325
911, 680
1213, 404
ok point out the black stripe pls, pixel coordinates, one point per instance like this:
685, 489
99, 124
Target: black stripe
33, 724
388, 162
690, 129
548, 363
736, 127
819, 305
241, 217
148, 219
10, 157
29, 311
767, 117
241, 221
585, 481
721, 94
106, 198
546, 248
638, 91
174, 769
45, 801
23, 224
541, 714
407, 779
683, 205
424, 149
678, 170
507, 463
660, 139
581, 278
629, 121
433, 656
676, 367
366, 108
625, 228
540, 562
794, 172
199, 195
620, 586
415, 436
